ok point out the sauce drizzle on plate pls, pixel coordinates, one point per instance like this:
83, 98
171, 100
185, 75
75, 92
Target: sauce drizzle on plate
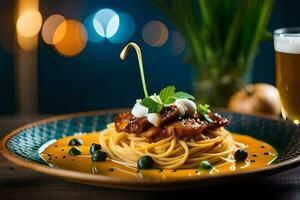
260, 153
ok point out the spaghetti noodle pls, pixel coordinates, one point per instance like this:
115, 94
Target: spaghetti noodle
169, 152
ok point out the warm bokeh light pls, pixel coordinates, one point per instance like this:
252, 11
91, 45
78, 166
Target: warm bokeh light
29, 23
49, 27
27, 44
155, 33
74, 37
106, 22
177, 43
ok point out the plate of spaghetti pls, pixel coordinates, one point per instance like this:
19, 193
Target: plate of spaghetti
165, 141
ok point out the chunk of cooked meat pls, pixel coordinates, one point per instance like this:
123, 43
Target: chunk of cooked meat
169, 114
128, 123
218, 121
138, 125
170, 125
122, 120
186, 127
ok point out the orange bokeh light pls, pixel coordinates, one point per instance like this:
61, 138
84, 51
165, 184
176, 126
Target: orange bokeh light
49, 28
74, 37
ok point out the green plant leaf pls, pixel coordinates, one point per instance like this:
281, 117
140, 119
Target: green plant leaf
182, 95
203, 109
166, 94
153, 106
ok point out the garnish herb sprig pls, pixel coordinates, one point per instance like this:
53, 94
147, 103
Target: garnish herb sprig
165, 97
203, 111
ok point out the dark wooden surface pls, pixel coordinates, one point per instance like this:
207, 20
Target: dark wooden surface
19, 183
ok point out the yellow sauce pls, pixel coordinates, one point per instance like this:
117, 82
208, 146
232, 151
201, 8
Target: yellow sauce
260, 154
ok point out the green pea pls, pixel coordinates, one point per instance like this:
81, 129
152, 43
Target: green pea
74, 151
145, 162
240, 155
99, 155
75, 142
205, 165
95, 147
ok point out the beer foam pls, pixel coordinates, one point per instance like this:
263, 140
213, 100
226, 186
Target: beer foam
287, 44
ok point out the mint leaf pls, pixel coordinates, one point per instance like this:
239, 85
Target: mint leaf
182, 95
166, 95
153, 106
203, 109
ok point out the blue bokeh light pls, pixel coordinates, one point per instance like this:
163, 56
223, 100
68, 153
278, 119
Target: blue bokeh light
106, 22
125, 30
93, 36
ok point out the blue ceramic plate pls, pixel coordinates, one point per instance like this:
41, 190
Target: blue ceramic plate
21, 147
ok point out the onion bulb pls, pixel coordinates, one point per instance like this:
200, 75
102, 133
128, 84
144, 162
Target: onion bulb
259, 98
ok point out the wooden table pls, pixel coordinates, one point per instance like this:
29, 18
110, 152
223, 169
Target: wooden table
19, 183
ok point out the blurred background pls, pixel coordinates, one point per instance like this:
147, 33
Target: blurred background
62, 56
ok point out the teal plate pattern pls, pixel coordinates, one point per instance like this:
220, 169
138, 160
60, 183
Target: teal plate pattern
27, 142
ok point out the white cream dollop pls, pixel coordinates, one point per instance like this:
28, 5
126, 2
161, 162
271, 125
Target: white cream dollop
185, 107
154, 118
138, 110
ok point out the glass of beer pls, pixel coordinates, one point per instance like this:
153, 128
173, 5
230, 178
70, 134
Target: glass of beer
287, 56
